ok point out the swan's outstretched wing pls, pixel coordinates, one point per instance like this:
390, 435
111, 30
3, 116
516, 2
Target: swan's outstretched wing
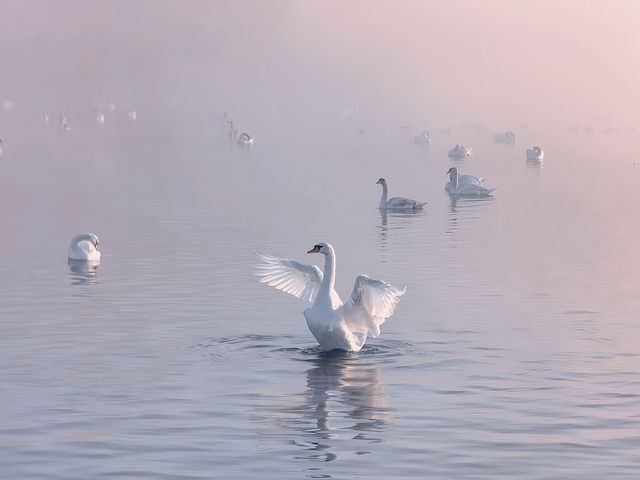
371, 303
298, 279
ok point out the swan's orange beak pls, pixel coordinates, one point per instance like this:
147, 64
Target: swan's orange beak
315, 249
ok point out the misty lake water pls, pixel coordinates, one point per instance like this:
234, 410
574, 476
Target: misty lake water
513, 354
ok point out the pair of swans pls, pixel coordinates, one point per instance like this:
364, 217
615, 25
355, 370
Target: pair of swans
333, 323
466, 185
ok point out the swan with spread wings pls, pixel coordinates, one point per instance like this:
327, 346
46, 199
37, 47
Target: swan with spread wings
334, 324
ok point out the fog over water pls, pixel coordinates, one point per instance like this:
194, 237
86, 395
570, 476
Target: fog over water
514, 352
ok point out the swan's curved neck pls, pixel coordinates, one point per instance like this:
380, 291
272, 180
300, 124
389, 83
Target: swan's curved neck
453, 176
383, 199
329, 277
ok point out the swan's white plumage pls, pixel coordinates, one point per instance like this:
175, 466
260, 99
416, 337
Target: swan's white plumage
397, 203
84, 247
300, 280
466, 185
334, 324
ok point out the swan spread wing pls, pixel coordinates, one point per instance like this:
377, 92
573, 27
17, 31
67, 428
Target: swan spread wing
371, 303
290, 276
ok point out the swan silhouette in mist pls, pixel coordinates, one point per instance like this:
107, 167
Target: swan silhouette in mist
397, 203
334, 324
84, 247
460, 152
535, 154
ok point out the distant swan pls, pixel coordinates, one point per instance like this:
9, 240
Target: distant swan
466, 185
245, 140
423, 139
507, 137
397, 203
84, 247
1, 151
535, 154
460, 151
335, 325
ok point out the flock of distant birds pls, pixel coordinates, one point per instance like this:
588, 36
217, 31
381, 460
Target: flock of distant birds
63, 122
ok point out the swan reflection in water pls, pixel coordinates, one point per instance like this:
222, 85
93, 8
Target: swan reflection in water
344, 401
395, 220
84, 272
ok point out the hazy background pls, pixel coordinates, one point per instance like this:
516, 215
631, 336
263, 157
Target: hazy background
545, 65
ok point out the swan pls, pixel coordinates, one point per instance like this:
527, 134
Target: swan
397, 202
535, 154
466, 185
99, 118
84, 247
507, 137
245, 140
132, 114
460, 151
63, 122
423, 139
1, 151
334, 324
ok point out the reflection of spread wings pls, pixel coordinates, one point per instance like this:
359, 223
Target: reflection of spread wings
370, 304
290, 276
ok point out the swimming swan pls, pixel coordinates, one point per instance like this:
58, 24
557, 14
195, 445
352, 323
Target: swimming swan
466, 185
460, 151
397, 203
507, 137
535, 154
84, 247
245, 140
335, 325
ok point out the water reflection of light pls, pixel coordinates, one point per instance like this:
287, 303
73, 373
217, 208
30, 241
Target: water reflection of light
84, 271
344, 401
394, 220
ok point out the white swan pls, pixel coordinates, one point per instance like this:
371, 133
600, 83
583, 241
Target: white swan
334, 324
132, 114
84, 247
535, 154
466, 185
245, 140
460, 151
397, 202
507, 137
1, 151
99, 118
423, 139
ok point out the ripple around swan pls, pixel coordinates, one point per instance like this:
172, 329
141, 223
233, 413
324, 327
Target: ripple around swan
268, 346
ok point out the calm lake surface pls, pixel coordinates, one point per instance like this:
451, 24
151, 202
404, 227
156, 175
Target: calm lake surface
514, 353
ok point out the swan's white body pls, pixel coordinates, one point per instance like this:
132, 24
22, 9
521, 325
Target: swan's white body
245, 140
535, 154
508, 137
423, 139
334, 324
460, 151
99, 118
132, 114
466, 185
84, 247
397, 203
